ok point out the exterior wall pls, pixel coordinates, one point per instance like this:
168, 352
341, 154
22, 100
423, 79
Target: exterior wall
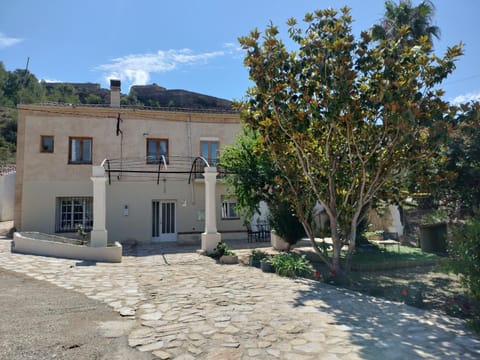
7, 196
45, 176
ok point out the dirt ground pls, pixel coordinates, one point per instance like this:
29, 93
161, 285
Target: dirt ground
429, 286
41, 321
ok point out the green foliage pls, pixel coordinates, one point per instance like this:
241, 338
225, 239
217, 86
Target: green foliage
258, 255
250, 173
220, 250
8, 135
63, 93
344, 120
93, 99
291, 265
415, 21
283, 220
462, 159
464, 250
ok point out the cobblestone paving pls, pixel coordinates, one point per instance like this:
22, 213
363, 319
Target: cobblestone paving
186, 306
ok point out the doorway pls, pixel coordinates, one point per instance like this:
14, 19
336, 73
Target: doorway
164, 220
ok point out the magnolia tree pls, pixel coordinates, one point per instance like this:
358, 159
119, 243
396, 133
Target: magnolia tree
344, 119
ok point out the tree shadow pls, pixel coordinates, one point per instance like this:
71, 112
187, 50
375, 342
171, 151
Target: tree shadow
388, 330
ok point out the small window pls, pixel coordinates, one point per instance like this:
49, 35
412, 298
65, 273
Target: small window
229, 209
157, 149
74, 211
209, 151
80, 150
46, 144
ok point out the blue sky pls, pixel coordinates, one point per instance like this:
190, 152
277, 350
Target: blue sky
189, 44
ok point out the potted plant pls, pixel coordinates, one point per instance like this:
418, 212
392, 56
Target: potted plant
224, 254
255, 257
287, 229
266, 265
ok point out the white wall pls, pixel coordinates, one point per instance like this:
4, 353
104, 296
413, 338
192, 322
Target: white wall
7, 196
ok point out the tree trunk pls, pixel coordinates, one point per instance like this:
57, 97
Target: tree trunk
337, 245
351, 243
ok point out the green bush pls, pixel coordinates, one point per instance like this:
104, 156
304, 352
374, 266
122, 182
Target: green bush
464, 250
283, 220
291, 265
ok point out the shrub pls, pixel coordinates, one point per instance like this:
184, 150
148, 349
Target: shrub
283, 220
291, 265
464, 251
258, 255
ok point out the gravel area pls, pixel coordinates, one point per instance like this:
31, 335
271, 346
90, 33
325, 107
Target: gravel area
42, 321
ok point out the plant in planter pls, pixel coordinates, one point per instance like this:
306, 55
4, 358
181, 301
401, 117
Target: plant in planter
266, 265
291, 265
256, 256
224, 254
285, 225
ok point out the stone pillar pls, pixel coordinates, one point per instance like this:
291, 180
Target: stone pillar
99, 235
210, 237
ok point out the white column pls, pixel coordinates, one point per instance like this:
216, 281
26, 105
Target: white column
99, 235
210, 237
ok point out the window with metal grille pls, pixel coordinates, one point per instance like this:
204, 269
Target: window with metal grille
74, 211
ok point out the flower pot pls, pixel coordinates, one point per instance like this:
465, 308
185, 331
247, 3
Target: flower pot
266, 266
229, 259
278, 243
253, 262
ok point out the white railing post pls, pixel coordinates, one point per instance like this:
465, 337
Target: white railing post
211, 236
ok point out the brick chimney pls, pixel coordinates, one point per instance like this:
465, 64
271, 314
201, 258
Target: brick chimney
114, 93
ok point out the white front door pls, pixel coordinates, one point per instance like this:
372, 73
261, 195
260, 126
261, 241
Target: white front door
163, 221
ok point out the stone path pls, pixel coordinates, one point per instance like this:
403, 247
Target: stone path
186, 306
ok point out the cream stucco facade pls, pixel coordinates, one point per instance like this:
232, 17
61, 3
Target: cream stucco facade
139, 201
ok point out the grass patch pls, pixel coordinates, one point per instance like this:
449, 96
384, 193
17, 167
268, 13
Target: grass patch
377, 254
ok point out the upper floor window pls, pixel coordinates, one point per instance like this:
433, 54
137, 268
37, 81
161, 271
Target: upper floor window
46, 144
156, 148
80, 150
209, 151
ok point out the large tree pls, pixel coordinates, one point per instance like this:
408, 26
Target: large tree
344, 119
417, 19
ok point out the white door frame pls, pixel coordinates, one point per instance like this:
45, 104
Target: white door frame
164, 220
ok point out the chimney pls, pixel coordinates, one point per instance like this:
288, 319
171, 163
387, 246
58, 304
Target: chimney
114, 93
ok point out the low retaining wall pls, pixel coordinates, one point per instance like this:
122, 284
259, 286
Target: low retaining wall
50, 245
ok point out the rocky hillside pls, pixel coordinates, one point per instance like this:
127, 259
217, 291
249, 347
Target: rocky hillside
159, 96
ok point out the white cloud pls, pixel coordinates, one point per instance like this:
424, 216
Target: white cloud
136, 68
52, 81
466, 98
6, 41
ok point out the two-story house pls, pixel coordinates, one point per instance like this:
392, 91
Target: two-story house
154, 188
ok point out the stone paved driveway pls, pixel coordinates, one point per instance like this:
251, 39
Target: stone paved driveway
186, 306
